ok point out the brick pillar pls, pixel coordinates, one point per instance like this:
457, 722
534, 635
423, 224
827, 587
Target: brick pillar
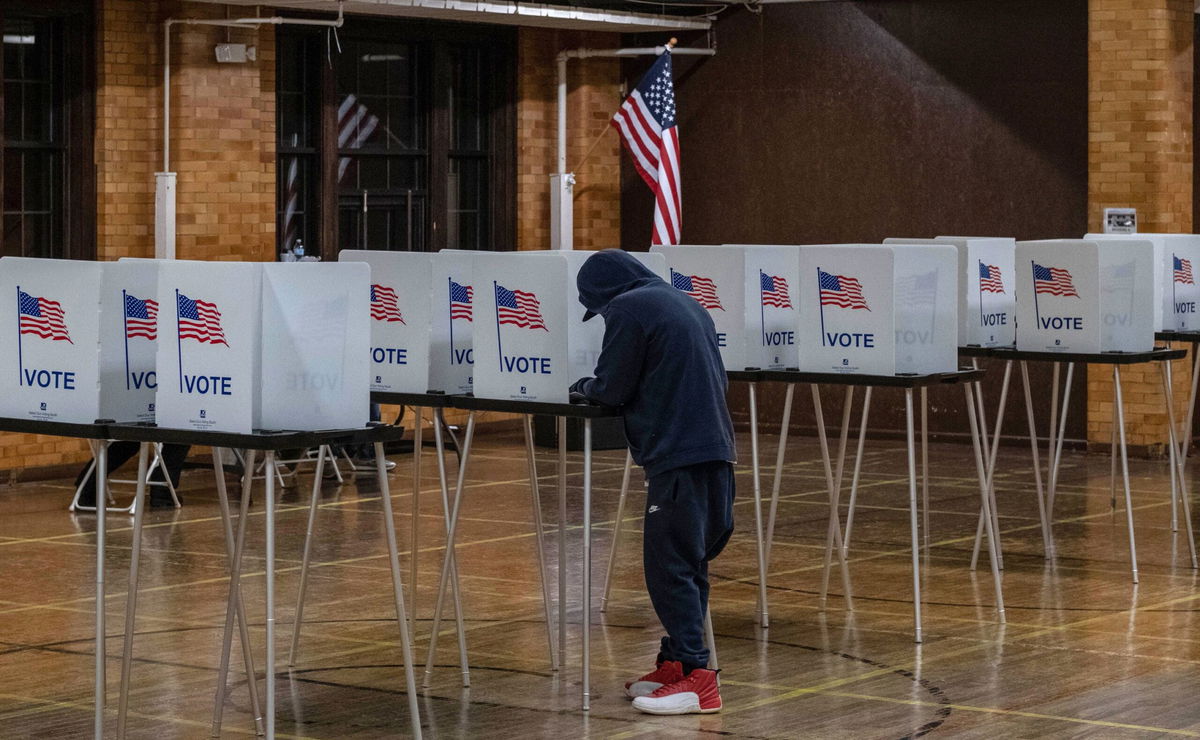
1139, 155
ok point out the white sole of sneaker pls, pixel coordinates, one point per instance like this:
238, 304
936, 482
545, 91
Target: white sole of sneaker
687, 703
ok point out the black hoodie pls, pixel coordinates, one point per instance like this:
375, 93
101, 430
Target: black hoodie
660, 364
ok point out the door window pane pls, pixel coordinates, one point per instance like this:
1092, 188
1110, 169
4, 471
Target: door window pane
34, 139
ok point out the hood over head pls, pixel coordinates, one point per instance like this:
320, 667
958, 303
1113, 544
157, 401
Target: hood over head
606, 275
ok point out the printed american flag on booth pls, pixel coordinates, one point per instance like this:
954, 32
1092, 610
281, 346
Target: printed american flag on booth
917, 290
200, 320
42, 317
519, 308
990, 280
141, 318
385, 305
460, 301
839, 290
774, 290
1183, 271
1053, 281
646, 123
703, 289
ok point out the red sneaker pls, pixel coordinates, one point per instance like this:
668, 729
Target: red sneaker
665, 672
696, 693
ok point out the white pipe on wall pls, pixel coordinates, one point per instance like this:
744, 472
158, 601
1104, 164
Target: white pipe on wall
562, 182
164, 201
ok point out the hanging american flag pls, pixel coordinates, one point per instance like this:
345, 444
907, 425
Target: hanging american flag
385, 305
1183, 271
141, 318
42, 317
460, 301
646, 123
990, 280
519, 308
702, 289
839, 290
355, 126
199, 320
774, 290
1053, 280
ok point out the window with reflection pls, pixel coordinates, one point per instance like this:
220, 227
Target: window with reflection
402, 140
47, 94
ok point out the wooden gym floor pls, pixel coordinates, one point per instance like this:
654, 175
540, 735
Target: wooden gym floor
1084, 654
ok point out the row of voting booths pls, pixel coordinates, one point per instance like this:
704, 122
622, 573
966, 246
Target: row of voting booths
242, 346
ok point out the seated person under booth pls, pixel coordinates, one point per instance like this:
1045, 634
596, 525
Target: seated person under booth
661, 365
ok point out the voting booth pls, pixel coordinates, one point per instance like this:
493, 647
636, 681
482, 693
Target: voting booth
451, 357
247, 346
316, 339
987, 303
772, 309
50, 339
1175, 290
129, 340
520, 335
401, 314
878, 310
1084, 296
210, 346
716, 277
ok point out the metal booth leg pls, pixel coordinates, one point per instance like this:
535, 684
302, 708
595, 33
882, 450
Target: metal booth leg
439, 423
131, 593
989, 452
234, 602
270, 589
833, 534
912, 512
561, 424
925, 466
711, 641
415, 547
539, 537
451, 533
1177, 458
101, 514
1119, 420
764, 619
858, 458
304, 563
780, 452
389, 527
985, 500
612, 553
586, 620
1058, 442
1047, 541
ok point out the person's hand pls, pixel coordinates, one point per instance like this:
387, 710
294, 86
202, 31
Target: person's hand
577, 386
576, 397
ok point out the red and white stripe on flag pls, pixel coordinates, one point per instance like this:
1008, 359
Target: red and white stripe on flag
646, 123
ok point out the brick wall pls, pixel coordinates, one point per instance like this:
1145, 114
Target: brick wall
1139, 155
593, 95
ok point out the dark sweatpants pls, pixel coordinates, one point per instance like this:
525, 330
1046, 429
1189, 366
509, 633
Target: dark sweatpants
689, 518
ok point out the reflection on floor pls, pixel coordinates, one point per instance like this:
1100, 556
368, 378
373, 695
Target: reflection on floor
1084, 653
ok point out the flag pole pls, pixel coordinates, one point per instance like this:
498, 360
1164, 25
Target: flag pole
499, 346
821, 303
125, 323
20, 355
762, 310
179, 340
1036, 311
979, 283
450, 295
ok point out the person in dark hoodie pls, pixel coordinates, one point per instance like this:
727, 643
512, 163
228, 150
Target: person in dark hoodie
660, 364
